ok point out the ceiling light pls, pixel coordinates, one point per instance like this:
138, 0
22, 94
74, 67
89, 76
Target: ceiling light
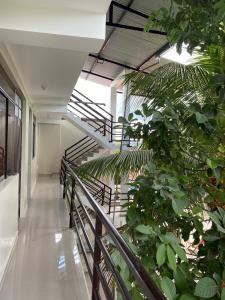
100, 60
184, 58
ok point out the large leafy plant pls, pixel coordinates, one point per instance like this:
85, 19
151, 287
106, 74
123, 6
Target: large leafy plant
177, 218
176, 223
196, 23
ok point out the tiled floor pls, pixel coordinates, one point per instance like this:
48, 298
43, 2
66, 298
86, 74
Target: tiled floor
45, 264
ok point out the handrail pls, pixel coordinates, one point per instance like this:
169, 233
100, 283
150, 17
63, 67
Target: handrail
149, 289
94, 184
81, 148
96, 116
93, 102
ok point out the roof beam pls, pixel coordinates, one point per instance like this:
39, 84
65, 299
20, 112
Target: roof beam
130, 10
156, 53
98, 75
114, 62
135, 28
110, 35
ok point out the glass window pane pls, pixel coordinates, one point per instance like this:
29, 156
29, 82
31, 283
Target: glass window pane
2, 134
14, 140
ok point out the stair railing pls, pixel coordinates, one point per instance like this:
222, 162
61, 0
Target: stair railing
92, 113
80, 149
93, 241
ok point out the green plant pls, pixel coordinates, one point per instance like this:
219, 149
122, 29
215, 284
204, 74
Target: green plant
197, 23
176, 223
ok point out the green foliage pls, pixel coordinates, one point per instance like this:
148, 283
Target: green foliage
168, 287
116, 165
181, 125
182, 187
193, 22
206, 288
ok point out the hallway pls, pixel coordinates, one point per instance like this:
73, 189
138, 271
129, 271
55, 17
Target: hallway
45, 264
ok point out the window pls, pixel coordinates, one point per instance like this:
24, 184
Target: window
10, 134
2, 134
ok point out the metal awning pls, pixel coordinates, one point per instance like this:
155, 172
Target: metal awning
126, 44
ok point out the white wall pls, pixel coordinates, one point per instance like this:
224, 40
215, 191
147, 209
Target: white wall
69, 135
96, 92
54, 139
34, 162
8, 218
49, 149
27, 184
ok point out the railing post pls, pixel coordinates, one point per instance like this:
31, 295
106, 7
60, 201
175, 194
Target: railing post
110, 200
64, 183
61, 173
111, 128
105, 127
103, 195
71, 203
97, 259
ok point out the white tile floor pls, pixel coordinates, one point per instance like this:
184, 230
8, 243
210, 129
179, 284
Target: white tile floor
45, 264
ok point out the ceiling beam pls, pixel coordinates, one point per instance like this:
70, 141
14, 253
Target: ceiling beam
110, 35
133, 11
114, 62
135, 28
96, 74
155, 54
128, 8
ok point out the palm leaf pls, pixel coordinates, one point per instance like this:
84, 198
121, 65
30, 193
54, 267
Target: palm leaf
116, 165
169, 82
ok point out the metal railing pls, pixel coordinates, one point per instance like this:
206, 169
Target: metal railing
92, 113
81, 149
93, 240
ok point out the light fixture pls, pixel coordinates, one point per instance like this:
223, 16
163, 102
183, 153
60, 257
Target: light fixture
100, 60
184, 58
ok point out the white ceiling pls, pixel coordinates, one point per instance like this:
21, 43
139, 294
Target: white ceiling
48, 74
96, 6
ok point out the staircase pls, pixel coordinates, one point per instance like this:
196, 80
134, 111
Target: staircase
95, 207
101, 138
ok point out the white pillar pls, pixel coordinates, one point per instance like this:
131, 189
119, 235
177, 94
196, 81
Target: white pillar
113, 102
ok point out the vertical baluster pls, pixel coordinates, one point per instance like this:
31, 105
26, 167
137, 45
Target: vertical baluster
111, 128
97, 259
64, 182
72, 204
103, 195
110, 200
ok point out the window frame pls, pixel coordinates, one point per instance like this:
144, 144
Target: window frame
8, 100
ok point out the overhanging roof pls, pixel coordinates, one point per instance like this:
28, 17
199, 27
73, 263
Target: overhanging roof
132, 48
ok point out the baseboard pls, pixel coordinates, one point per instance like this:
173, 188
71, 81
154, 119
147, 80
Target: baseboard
8, 260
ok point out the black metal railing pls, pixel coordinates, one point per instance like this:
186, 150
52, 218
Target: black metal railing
92, 113
82, 149
80, 152
98, 118
101, 192
93, 239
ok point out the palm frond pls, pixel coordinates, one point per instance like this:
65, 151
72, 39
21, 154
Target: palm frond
116, 165
170, 81
213, 60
